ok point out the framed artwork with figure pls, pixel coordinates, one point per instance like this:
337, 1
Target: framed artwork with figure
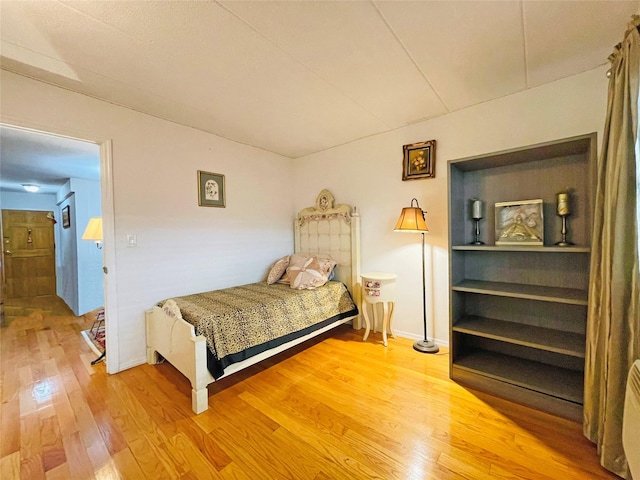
520, 223
419, 160
211, 189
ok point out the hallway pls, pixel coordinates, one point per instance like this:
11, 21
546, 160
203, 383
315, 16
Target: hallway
23, 307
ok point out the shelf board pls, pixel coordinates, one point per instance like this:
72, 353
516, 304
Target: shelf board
523, 248
547, 339
570, 296
570, 146
550, 380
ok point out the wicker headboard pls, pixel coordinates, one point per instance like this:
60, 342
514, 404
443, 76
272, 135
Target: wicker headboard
332, 229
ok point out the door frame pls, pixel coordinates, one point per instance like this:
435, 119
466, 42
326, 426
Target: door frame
109, 257
2, 289
108, 231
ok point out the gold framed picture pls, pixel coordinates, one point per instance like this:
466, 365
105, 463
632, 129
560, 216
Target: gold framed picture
419, 160
211, 189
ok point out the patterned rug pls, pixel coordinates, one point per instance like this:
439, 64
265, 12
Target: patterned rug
96, 339
95, 336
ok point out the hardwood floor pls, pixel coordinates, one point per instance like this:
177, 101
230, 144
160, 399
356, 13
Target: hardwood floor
339, 409
45, 304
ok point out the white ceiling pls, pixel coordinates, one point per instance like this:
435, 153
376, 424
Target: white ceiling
45, 160
297, 77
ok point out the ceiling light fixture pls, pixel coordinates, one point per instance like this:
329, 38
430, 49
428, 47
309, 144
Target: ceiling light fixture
29, 187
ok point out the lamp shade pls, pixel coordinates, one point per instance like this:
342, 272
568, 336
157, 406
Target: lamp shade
93, 230
411, 220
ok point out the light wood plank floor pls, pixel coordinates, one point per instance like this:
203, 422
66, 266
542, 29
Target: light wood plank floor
339, 409
21, 307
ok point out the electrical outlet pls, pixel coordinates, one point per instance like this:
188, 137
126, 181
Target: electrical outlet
132, 240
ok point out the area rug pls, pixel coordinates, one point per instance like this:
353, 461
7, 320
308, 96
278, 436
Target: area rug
95, 339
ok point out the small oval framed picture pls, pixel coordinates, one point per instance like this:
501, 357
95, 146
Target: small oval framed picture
211, 189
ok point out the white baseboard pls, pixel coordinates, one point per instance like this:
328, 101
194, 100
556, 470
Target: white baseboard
412, 336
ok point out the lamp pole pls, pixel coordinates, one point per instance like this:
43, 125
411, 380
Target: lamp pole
424, 346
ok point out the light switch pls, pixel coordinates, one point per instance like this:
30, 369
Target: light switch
132, 241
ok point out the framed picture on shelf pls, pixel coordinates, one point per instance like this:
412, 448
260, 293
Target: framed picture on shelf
520, 223
66, 217
211, 189
419, 160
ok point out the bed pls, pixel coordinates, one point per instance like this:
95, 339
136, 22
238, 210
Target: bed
324, 230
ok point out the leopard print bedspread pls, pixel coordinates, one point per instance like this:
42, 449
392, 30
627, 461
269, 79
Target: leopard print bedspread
237, 318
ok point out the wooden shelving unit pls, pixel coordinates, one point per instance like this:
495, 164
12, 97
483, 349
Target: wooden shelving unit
518, 290
565, 343
518, 312
561, 383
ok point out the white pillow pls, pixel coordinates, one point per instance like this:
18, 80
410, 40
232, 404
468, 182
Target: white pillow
171, 308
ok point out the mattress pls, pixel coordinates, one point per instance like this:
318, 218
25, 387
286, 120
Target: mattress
243, 321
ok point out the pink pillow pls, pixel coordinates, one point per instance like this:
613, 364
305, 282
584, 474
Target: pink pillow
308, 272
277, 270
171, 308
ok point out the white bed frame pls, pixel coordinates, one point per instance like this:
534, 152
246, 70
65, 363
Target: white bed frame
325, 229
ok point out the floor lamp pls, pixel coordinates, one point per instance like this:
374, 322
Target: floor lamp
412, 221
94, 232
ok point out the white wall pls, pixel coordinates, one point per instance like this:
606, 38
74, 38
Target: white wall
66, 255
90, 286
78, 262
182, 248
368, 173
28, 201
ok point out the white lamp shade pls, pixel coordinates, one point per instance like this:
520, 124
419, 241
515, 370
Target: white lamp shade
93, 230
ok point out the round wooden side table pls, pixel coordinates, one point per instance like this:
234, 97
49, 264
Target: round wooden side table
379, 287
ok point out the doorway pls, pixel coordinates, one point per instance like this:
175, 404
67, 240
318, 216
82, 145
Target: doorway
108, 251
30, 282
43, 254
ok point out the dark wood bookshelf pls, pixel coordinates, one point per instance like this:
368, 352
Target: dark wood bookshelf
518, 312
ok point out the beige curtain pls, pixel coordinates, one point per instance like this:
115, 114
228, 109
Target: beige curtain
613, 325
